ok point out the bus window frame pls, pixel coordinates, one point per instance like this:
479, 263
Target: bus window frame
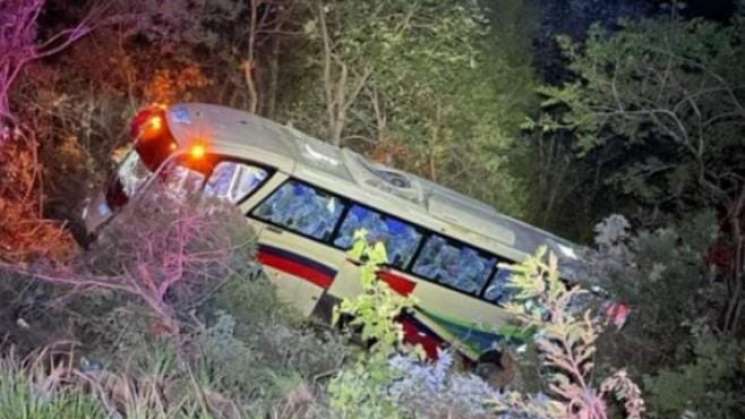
408, 270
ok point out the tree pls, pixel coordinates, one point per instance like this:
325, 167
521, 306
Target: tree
25, 234
662, 102
20, 44
419, 85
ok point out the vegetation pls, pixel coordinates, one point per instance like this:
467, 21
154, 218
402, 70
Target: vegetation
619, 124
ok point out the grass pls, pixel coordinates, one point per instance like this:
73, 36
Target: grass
41, 391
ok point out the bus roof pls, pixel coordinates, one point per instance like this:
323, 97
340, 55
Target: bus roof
293, 151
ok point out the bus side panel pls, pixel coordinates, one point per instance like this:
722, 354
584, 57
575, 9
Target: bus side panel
467, 322
302, 269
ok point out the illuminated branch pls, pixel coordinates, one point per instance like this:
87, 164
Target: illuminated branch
19, 44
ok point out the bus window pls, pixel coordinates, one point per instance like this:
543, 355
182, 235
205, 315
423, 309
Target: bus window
301, 208
453, 264
499, 290
234, 181
182, 181
132, 173
400, 239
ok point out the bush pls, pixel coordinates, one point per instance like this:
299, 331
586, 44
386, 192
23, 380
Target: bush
261, 351
436, 390
361, 389
166, 253
663, 277
708, 386
566, 342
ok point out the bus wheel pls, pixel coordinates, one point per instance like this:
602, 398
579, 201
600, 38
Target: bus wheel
498, 368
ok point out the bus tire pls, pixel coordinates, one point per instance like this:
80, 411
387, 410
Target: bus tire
498, 368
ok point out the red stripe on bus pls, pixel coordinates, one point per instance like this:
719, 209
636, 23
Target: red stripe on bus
296, 268
398, 283
416, 333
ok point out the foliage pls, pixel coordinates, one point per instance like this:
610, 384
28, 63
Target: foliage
411, 83
261, 368
624, 131
377, 306
19, 43
708, 386
436, 389
662, 275
25, 234
263, 362
646, 67
657, 108
240, 366
39, 392
164, 252
360, 390
566, 343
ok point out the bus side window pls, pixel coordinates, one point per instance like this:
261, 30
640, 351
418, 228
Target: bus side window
401, 239
234, 181
499, 290
453, 264
303, 209
182, 181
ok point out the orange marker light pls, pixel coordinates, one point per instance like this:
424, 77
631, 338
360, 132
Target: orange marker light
156, 123
197, 151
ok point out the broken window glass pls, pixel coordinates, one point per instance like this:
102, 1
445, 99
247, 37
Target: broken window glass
499, 290
132, 173
234, 181
182, 181
401, 239
453, 264
302, 208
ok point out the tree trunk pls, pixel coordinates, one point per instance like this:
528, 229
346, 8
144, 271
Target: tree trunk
273, 84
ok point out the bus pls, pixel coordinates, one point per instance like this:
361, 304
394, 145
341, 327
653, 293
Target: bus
305, 198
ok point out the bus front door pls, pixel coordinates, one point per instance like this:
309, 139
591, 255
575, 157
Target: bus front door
301, 269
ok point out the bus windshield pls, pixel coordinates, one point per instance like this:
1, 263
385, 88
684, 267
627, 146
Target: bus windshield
130, 175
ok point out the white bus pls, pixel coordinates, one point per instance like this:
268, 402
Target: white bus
305, 198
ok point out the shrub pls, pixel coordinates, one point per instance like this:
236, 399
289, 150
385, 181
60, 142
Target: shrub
373, 311
436, 390
260, 372
361, 390
566, 344
663, 277
710, 385
166, 253
280, 337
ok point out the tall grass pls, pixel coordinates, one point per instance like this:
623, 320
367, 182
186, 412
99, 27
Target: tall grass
40, 391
